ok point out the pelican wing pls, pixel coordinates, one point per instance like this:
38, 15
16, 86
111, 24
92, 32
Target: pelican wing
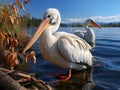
75, 49
80, 33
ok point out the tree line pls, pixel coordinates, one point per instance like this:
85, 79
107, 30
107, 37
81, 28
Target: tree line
35, 22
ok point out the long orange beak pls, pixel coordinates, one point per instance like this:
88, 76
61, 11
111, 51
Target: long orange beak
97, 25
44, 24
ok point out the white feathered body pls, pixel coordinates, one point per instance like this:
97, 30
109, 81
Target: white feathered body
65, 50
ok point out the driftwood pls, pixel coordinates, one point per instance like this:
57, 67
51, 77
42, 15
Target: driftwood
16, 80
8, 83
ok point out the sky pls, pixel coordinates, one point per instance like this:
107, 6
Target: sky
78, 10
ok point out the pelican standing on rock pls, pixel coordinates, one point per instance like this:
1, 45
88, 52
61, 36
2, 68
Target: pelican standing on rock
61, 48
88, 34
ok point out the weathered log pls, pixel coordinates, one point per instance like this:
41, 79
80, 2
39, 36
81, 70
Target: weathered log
8, 83
39, 83
23, 80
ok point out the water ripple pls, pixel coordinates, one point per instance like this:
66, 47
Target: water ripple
106, 72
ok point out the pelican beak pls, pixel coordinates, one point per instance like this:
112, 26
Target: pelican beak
97, 25
44, 24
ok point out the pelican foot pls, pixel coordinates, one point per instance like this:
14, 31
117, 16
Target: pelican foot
65, 78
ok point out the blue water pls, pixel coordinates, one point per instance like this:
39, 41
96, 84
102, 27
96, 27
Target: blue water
106, 71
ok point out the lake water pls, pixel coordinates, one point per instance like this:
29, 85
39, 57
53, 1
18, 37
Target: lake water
106, 71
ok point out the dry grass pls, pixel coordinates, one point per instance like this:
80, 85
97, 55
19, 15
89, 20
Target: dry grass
13, 16
23, 39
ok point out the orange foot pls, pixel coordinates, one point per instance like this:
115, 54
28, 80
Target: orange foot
65, 78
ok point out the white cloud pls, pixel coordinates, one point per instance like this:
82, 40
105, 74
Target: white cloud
97, 18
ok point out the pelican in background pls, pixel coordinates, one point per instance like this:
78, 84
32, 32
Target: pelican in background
61, 48
88, 34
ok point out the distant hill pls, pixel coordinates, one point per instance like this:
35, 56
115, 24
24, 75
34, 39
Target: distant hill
103, 24
36, 21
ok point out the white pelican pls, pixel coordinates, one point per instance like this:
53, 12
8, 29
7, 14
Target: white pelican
88, 34
61, 48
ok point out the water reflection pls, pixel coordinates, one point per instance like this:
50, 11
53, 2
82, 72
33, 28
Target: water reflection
80, 80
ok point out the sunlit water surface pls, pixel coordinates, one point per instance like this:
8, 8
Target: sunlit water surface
106, 71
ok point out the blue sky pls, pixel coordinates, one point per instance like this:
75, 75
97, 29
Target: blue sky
78, 10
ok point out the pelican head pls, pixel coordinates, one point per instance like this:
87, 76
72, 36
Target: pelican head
91, 21
89, 35
51, 18
52, 14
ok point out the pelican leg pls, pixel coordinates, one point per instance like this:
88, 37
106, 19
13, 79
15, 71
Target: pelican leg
62, 77
65, 78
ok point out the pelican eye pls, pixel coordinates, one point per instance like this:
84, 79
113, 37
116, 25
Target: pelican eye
51, 17
48, 16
